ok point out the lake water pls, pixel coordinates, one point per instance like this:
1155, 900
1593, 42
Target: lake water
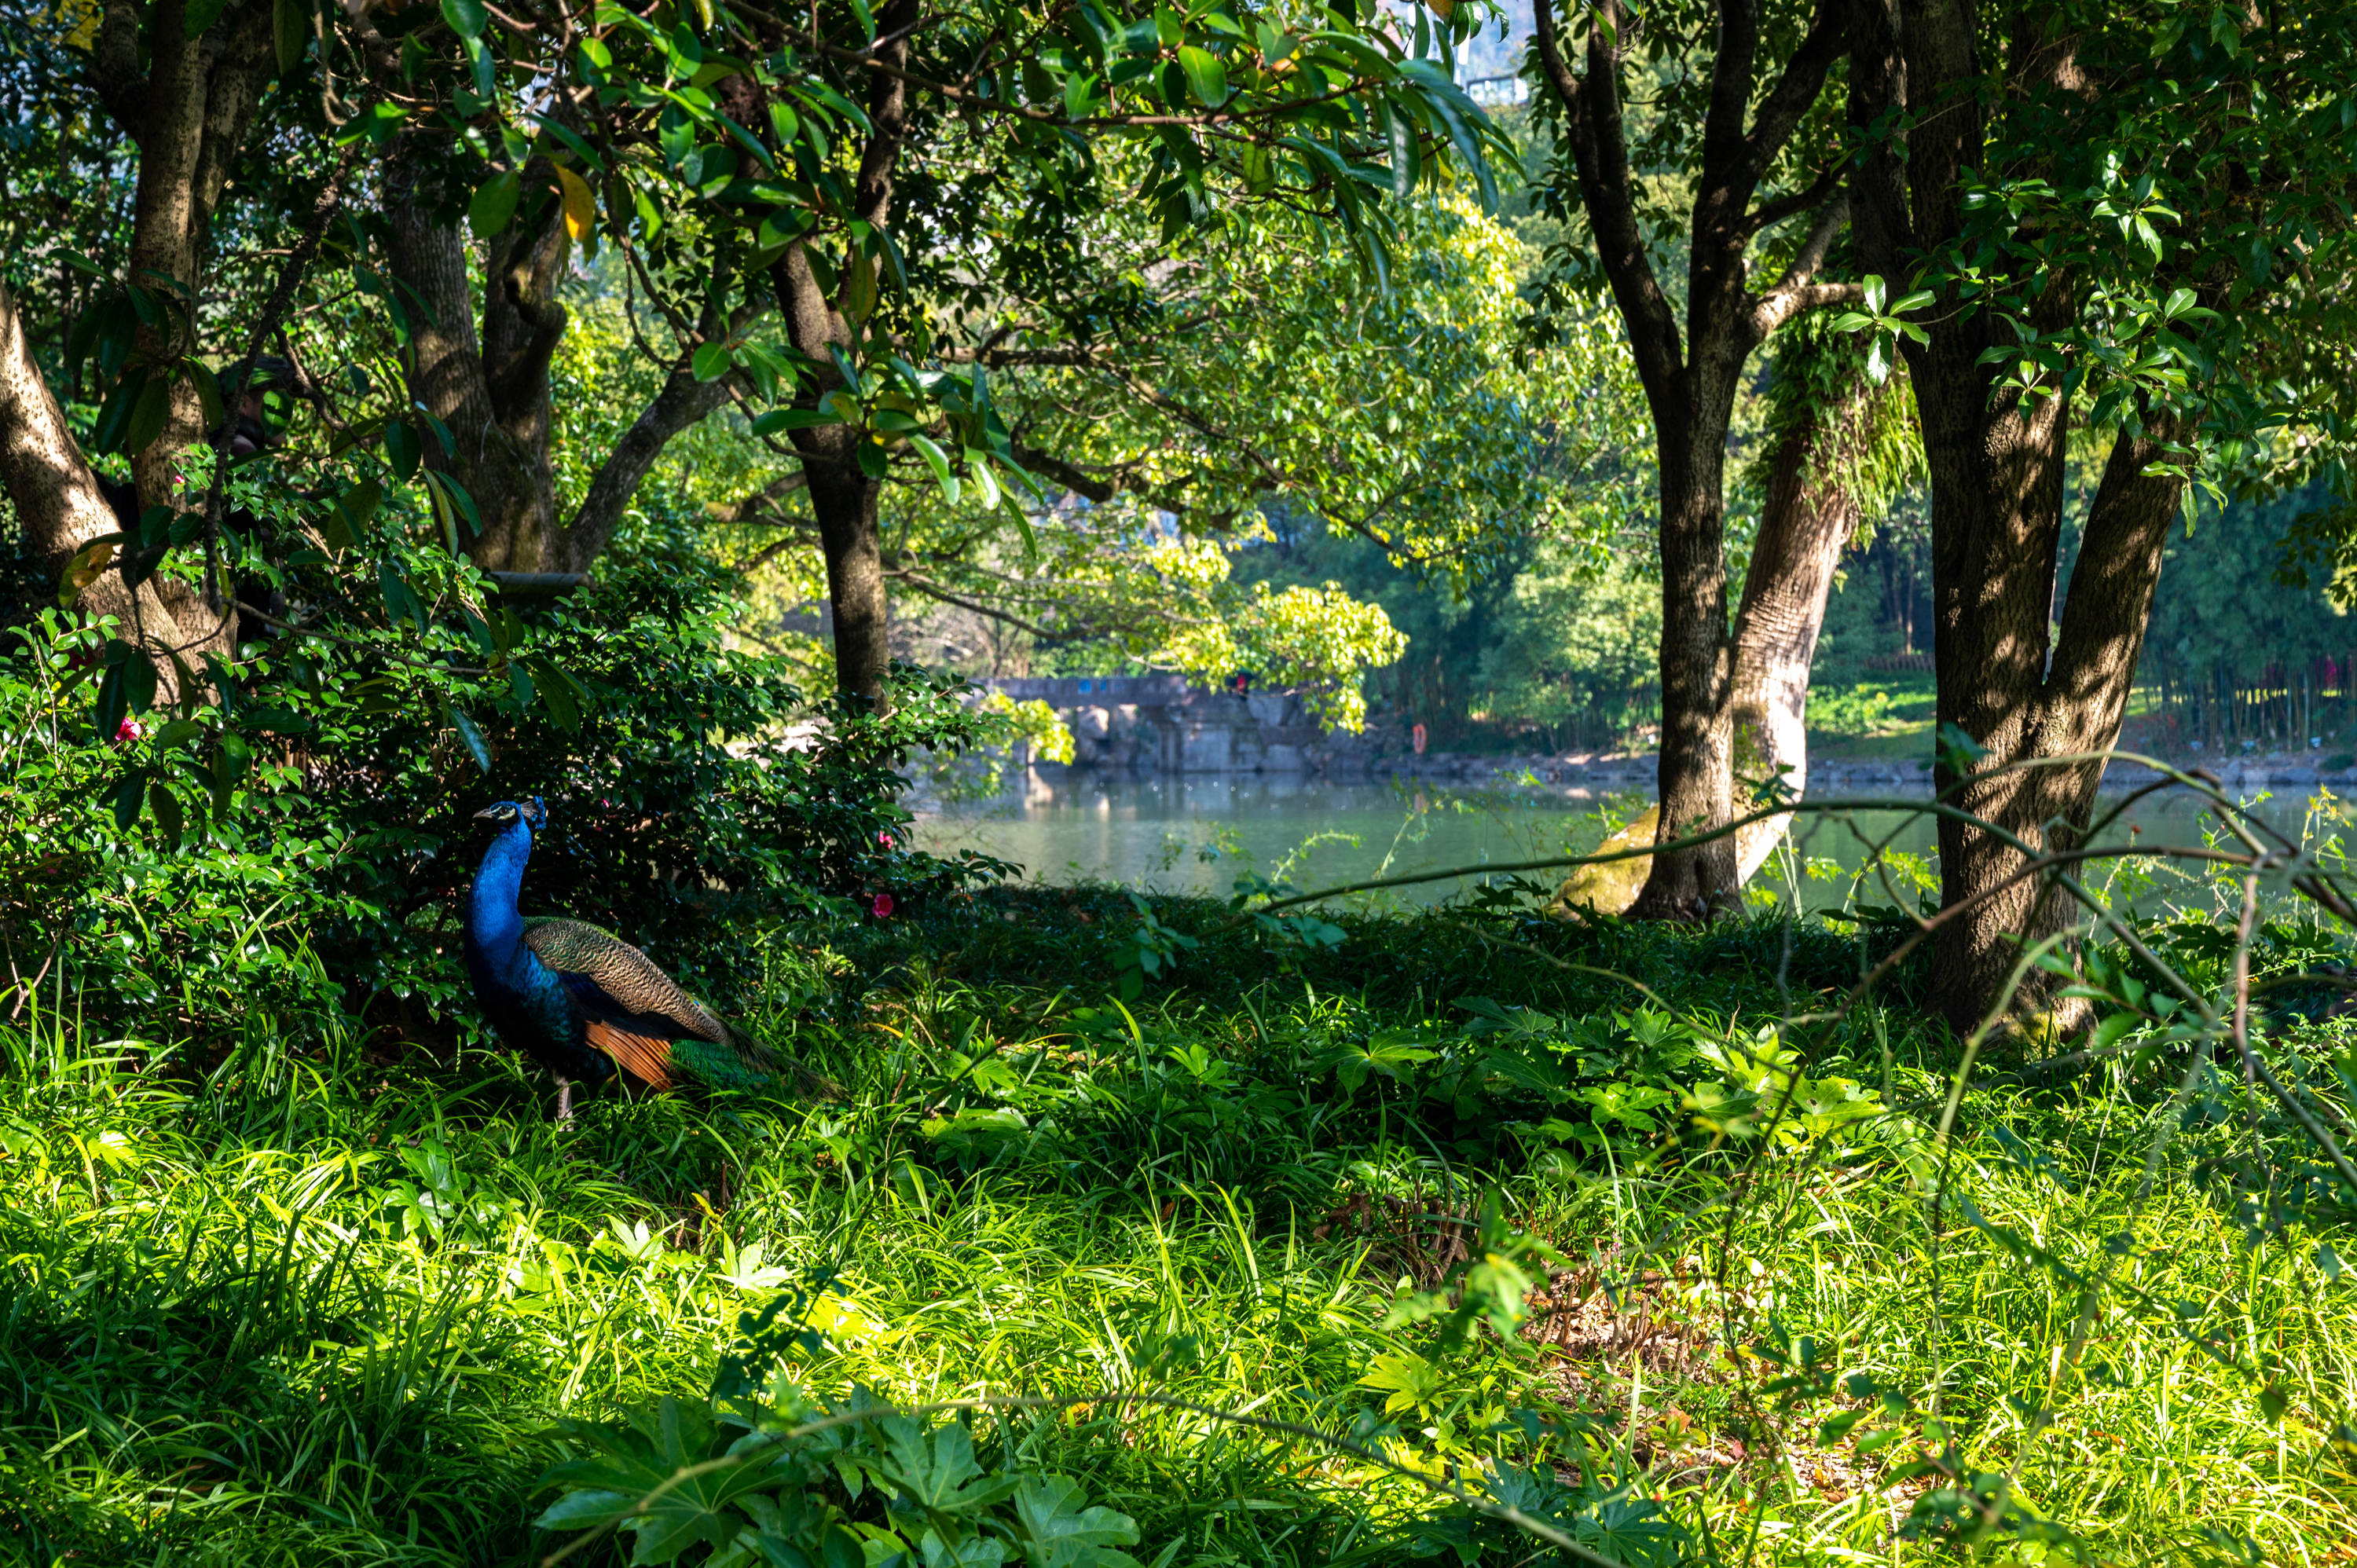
1200, 834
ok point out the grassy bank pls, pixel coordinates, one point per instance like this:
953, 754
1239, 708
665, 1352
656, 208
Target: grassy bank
310, 1296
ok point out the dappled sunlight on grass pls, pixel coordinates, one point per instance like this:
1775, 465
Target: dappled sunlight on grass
327, 1304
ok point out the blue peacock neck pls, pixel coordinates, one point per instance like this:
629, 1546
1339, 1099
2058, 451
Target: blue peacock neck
493, 925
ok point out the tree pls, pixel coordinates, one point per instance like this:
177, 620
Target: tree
183, 85
1259, 379
1762, 147
1838, 448
859, 173
2112, 217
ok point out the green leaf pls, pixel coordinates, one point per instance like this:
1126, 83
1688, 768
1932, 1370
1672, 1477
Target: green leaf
940, 462
466, 18
1408, 1379
114, 413
628, 1466
712, 362
978, 466
940, 1476
231, 756
139, 683
199, 14
2112, 1030
130, 798
442, 513
149, 412
208, 398
779, 419
402, 449
494, 205
401, 602
559, 693
169, 818
109, 715
341, 525
476, 746
290, 29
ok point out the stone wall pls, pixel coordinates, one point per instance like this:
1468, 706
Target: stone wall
1158, 724
1144, 725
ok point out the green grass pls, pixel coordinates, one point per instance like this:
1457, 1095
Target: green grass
321, 1298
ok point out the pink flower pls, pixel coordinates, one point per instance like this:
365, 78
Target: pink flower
885, 839
127, 730
882, 907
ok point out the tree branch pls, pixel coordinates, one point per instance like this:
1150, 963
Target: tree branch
1795, 293
683, 402
1600, 148
1768, 214
760, 501
932, 590
121, 85
1804, 77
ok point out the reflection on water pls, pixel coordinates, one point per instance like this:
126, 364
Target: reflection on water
1200, 834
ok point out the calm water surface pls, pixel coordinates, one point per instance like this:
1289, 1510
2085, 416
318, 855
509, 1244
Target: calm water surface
1200, 834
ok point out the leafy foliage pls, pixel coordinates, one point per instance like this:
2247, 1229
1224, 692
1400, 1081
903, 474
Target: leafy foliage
307, 837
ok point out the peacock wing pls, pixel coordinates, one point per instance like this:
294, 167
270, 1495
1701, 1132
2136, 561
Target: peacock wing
637, 1014
624, 979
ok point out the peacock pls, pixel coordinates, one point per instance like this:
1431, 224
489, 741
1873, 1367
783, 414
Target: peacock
585, 1003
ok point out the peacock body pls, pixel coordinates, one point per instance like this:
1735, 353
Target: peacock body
582, 1002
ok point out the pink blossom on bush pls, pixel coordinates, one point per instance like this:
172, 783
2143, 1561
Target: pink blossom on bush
127, 730
882, 907
885, 839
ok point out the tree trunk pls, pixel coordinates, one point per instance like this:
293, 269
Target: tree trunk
1691, 379
1994, 591
60, 510
189, 117
846, 502
1693, 772
845, 497
185, 106
491, 391
1808, 516
1996, 454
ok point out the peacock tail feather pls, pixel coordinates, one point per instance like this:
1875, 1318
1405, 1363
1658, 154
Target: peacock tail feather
655, 1032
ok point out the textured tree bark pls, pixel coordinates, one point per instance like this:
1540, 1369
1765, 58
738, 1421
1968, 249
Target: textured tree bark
1997, 685
846, 502
1695, 775
846, 498
185, 106
492, 390
61, 510
1690, 380
188, 113
1808, 516
1995, 458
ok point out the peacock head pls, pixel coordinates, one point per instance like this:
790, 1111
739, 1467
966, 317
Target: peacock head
532, 813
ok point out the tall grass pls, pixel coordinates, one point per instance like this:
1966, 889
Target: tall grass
309, 1297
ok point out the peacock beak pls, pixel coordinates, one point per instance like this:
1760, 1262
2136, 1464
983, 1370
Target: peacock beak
486, 813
